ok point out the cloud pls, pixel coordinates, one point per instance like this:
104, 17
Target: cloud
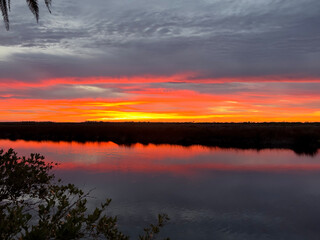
63, 91
245, 60
212, 38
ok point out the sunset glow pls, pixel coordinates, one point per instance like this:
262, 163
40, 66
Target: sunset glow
208, 61
199, 119
141, 99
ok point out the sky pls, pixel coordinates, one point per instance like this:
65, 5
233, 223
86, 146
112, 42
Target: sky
168, 60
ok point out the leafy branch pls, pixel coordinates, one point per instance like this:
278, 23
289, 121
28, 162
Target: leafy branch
5, 6
35, 206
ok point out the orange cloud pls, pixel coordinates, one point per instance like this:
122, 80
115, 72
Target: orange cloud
141, 102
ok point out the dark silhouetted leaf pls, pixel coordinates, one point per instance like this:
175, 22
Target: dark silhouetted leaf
48, 4
34, 8
4, 10
5, 6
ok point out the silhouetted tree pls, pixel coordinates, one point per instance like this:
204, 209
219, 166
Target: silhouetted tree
35, 207
33, 6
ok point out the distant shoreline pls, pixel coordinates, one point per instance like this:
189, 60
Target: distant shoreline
303, 138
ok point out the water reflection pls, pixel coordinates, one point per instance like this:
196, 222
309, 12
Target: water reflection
209, 193
108, 156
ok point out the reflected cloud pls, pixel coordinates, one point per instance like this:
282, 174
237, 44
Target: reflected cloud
102, 157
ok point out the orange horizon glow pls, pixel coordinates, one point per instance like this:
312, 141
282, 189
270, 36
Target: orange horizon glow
136, 100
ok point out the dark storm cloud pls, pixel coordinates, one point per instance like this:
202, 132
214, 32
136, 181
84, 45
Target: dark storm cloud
215, 38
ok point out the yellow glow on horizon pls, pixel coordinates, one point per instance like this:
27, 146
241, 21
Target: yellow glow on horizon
140, 99
179, 110
139, 116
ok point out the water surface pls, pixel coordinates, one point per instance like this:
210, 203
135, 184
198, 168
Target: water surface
209, 193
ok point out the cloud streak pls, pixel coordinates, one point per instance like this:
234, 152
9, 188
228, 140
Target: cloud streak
165, 100
212, 38
208, 60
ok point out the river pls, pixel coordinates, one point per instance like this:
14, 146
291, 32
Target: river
209, 193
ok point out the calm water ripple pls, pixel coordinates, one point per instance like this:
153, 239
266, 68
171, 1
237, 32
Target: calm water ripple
209, 193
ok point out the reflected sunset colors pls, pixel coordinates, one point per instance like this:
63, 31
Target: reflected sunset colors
174, 61
207, 192
108, 156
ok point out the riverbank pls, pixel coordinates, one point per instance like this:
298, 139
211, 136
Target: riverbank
303, 138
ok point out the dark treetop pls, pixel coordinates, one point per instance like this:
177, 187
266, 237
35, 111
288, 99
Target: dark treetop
300, 137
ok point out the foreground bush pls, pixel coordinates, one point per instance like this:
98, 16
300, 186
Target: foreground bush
35, 206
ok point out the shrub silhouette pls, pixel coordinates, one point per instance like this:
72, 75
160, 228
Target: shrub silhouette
35, 206
303, 138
